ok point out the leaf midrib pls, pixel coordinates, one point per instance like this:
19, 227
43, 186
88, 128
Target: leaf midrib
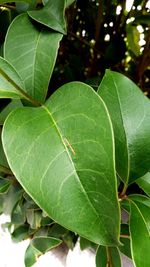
66, 149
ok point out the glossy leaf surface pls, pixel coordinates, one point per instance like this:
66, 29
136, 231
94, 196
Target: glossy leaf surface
130, 114
144, 183
11, 85
51, 15
143, 203
15, 103
140, 238
63, 155
32, 51
108, 257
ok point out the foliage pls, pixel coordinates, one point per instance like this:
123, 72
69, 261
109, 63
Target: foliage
72, 160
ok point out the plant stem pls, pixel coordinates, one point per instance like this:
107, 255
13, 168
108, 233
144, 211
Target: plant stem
109, 258
123, 193
7, 6
18, 88
125, 236
5, 170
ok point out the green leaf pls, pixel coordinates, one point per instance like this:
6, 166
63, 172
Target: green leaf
37, 49
63, 155
85, 243
45, 243
11, 85
12, 197
125, 240
51, 15
101, 257
34, 218
37, 247
31, 256
15, 103
3, 161
10, 1
144, 183
4, 185
20, 233
143, 19
133, 38
18, 214
69, 2
108, 257
129, 109
140, 238
143, 204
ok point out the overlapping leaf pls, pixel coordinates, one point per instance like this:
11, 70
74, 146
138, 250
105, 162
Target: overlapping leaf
38, 246
140, 237
144, 183
63, 155
51, 15
130, 114
11, 85
32, 51
15, 103
9, 1
108, 257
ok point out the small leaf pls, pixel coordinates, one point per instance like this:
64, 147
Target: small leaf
85, 243
129, 109
140, 238
20, 233
31, 256
144, 183
11, 85
101, 257
10, 1
18, 214
4, 185
12, 197
108, 257
142, 19
15, 103
143, 204
125, 240
44, 244
34, 218
133, 38
51, 15
37, 49
63, 155
3, 160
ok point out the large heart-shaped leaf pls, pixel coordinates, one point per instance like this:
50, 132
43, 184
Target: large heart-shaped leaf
129, 109
140, 238
51, 15
32, 51
11, 85
63, 155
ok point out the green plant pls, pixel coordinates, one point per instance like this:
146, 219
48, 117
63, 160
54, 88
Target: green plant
73, 157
